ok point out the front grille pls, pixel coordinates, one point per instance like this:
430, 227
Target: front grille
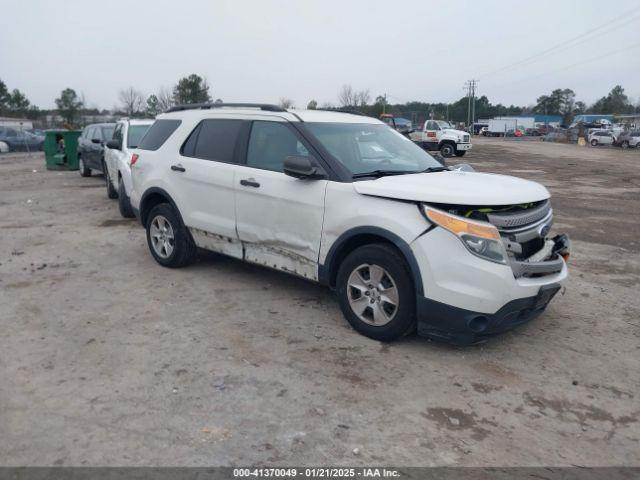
515, 220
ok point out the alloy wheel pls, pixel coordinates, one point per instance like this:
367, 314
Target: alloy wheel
162, 237
372, 294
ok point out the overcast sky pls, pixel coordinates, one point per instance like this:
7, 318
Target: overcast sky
263, 50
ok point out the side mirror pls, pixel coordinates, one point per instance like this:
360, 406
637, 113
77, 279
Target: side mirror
114, 145
300, 166
96, 140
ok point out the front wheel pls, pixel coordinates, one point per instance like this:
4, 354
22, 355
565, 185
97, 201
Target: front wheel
169, 240
447, 150
594, 143
376, 292
111, 191
84, 170
460, 153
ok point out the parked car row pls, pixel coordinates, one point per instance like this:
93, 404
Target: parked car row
106, 148
630, 139
17, 140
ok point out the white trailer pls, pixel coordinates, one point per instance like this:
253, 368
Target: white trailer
523, 122
499, 127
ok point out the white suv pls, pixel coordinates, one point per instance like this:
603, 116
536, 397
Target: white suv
126, 137
345, 201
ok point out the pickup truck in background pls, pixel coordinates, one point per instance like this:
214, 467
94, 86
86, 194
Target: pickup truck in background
402, 125
442, 136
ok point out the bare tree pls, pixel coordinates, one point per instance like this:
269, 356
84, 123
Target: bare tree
165, 99
312, 105
346, 96
362, 98
286, 102
131, 101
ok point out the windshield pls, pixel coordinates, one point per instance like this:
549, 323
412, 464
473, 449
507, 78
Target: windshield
365, 148
443, 124
136, 132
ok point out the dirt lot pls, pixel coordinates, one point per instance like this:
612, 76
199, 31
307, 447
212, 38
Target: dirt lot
108, 359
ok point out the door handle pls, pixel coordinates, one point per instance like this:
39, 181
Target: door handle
178, 168
250, 182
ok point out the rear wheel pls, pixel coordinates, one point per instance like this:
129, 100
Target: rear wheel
447, 150
84, 170
169, 240
625, 144
594, 143
124, 204
376, 292
111, 191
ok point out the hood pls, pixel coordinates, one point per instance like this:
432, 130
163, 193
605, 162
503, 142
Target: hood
456, 188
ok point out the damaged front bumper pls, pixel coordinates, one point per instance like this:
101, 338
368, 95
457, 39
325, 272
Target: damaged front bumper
548, 260
467, 299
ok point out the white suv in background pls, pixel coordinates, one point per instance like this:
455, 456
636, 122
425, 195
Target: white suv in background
345, 201
126, 137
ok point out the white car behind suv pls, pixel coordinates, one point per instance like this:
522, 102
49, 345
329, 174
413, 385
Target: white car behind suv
126, 137
345, 201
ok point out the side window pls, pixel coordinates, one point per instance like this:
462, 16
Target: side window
270, 143
431, 125
216, 140
159, 132
91, 133
117, 133
189, 146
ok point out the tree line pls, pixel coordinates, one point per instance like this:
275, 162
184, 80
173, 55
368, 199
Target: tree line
560, 102
196, 89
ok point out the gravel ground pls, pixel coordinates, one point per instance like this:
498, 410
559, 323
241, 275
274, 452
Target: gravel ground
107, 358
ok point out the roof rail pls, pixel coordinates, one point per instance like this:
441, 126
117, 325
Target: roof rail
203, 106
343, 110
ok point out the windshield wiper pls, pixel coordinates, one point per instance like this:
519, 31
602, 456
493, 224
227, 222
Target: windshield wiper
383, 173
435, 169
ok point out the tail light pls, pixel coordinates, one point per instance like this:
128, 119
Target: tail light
134, 159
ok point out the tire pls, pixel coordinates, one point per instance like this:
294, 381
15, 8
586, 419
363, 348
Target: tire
460, 153
124, 204
594, 143
625, 145
447, 150
172, 245
111, 192
84, 170
352, 285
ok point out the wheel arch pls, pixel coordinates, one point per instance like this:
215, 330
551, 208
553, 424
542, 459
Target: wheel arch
152, 197
357, 237
445, 141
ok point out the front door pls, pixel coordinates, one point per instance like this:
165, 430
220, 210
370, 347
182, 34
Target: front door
279, 218
431, 130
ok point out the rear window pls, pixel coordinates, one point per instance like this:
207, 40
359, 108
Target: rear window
159, 132
107, 132
135, 134
213, 140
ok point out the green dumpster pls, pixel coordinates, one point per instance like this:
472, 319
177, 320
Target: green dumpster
61, 149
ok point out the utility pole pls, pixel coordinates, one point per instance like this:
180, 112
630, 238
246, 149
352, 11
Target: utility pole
470, 86
384, 103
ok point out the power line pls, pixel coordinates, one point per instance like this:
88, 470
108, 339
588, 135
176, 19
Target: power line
573, 65
572, 42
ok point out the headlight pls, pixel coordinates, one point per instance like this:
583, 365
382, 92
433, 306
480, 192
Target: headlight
480, 238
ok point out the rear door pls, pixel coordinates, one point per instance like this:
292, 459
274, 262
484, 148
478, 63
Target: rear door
279, 218
203, 178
